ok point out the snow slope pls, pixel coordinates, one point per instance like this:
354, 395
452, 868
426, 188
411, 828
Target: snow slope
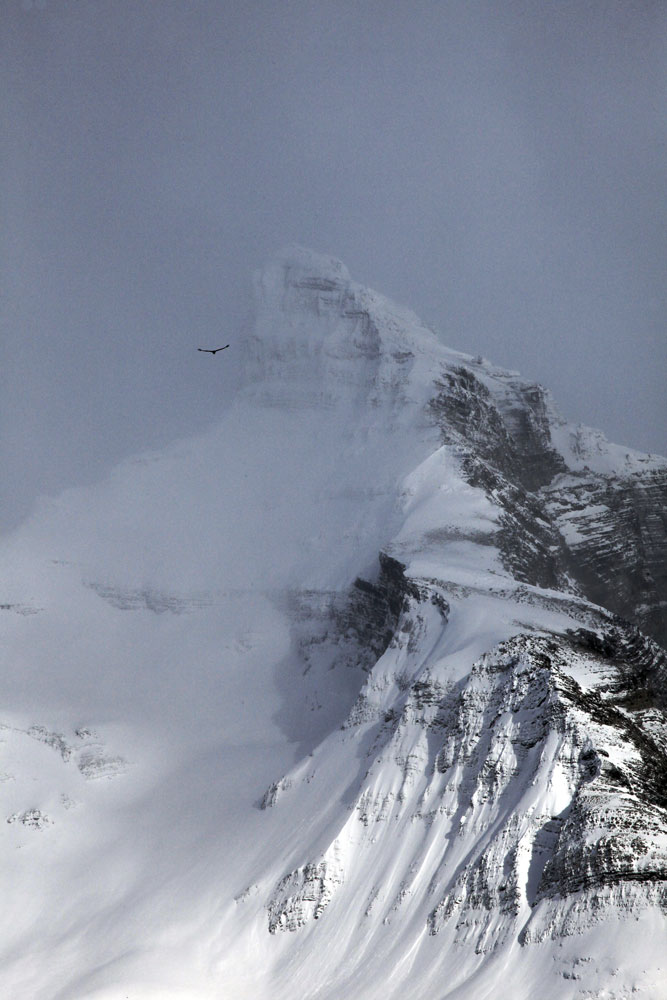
318, 704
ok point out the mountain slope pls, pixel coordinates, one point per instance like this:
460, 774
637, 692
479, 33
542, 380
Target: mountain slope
346, 697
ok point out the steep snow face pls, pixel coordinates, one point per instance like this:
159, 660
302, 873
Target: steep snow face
316, 704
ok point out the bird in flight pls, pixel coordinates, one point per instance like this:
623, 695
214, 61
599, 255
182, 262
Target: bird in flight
209, 350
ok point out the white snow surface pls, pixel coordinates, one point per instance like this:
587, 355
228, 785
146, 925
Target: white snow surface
154, 688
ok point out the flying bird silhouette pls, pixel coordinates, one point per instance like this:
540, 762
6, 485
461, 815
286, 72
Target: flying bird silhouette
209, 350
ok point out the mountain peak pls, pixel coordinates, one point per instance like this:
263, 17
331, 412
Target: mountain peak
321, 339
363, 666
298, 266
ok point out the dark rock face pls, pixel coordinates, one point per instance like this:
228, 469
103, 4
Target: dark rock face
640, 664
515, 441
618, 551
530, 547
508, 455
603, 535
371, 615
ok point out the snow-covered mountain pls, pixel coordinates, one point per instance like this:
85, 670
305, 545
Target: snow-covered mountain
359, 694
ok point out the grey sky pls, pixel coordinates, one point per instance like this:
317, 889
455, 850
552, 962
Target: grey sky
498, 167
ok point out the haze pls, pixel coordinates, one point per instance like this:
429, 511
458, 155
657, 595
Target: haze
497, 167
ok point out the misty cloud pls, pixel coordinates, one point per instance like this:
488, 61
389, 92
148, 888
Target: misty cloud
499, 168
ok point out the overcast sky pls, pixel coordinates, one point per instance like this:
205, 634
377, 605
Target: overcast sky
499, 167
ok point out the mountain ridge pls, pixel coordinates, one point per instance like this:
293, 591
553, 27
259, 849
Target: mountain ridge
380, 721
